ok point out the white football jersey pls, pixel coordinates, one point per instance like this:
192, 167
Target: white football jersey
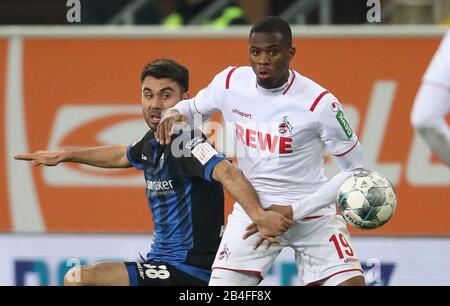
280, 134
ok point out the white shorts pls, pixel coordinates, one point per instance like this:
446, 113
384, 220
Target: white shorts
322, 248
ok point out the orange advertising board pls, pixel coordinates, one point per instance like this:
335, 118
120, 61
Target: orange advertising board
5, 222
80, 92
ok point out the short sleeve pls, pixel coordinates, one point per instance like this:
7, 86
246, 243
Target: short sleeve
335, 130
208, 100
134, 152
193, 156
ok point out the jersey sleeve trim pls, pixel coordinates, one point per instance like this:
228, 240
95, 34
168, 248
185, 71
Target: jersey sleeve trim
135, 164
342, 154
195, 107
290, 83
227, 82
210, 167
313, 106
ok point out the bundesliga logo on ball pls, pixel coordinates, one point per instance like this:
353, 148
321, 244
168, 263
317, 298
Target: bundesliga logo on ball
367, 199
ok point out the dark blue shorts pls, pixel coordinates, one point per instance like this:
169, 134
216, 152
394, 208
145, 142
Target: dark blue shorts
159, 274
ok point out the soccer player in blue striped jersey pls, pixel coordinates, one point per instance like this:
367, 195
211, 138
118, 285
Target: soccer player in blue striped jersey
184, 190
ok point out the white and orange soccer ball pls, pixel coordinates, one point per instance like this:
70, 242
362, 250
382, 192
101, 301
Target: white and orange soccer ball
367, 199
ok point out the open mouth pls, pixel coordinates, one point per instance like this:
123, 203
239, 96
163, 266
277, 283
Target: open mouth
264, 74
155, 118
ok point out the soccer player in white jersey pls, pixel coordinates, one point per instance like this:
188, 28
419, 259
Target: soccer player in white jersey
432, 103
283, 122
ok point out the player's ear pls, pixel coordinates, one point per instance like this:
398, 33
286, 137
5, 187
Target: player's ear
186, 95
291, 53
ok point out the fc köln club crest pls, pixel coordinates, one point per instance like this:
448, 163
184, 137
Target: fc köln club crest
285, 126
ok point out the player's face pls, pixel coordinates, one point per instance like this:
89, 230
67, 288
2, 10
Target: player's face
269, 57
157, 96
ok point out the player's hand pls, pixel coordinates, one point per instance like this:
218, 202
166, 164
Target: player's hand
285, 210
270, 241
166, 126
253, 229
46, 158
269, 224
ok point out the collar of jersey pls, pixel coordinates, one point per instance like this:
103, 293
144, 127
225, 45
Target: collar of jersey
276, 91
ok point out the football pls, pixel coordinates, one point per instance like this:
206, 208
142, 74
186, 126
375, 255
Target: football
367, 199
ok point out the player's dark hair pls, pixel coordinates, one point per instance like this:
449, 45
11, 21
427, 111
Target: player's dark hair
166, 68
273, 24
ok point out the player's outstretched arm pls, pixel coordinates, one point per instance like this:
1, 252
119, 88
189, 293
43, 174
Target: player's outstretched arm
104, 157
269, 223
326, 195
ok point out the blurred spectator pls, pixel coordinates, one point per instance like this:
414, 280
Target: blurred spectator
232, 12
100, 11
349, 11
174, 13
32, 12
46, 12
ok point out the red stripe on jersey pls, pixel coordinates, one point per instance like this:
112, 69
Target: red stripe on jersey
313, 106
290, 84
239, 270
197, 109
311, 217
227, 83
346, 151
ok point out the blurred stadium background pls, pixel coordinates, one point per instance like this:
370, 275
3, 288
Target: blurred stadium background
69, 84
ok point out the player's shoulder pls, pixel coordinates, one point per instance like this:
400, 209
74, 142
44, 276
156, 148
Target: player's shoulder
446, 39
317, 96
149, 135
233, 76
146, 138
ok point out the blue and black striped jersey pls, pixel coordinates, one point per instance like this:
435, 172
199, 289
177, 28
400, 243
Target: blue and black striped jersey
187, 205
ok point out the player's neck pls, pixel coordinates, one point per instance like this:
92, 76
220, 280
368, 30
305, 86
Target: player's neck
279, 89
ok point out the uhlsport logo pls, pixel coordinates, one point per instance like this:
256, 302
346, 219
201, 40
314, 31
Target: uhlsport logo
193, 142
241, 113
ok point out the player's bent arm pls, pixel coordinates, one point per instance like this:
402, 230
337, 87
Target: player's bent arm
439, 141
193, 111
233, 180
104, 157
183, 112
325, 195
429, 119
239, 187
169, 119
